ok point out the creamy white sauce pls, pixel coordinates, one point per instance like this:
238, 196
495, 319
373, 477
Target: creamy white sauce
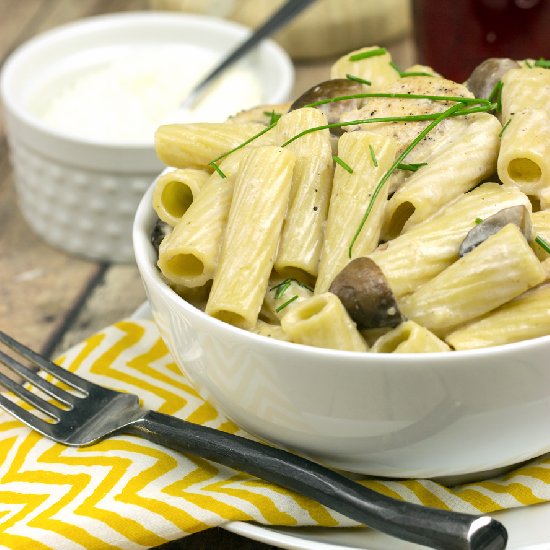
125, 98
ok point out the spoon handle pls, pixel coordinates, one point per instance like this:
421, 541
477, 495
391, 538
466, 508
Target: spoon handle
285, 13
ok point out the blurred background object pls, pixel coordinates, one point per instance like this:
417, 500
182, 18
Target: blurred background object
453, 37
327, 28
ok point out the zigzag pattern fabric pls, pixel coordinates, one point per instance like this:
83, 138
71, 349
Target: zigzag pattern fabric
127, 493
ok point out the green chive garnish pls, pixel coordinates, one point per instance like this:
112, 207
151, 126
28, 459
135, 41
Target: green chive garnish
358, 79
217, 168
403, 74
478, 221
545, 245
369, 53
496, 94
273, 117
441, 116
414, 73
412, 167
544, 63
465, 100
345, 166
281, 307
504, 127
282, 287
249, 140
481, 109
373, 156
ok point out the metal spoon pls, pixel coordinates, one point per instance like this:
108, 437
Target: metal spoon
285, 13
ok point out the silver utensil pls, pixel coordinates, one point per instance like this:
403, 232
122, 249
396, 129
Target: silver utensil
92, 412
285, 13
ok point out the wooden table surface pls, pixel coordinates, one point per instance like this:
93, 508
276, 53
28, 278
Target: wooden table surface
50, 300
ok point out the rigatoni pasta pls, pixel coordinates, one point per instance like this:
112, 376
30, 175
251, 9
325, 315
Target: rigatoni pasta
175, 191
284, 201
188, 256
322, 321
351, 191
302, 236
196, 145
258, 206
525, 317
473, 285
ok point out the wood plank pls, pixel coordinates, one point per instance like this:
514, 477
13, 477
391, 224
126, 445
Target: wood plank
38, 284
117, 295
15, 18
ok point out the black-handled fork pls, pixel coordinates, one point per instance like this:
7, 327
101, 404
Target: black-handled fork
98, 411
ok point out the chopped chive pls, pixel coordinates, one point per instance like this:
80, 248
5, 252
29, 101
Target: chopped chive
528, 64
369, 53
543, 243
282, 287
358, 79
240, 146
345, 166
395, 68
218, 169
282, 306
496, 94
413, 167
458, 99
373, 156
544, 63
504, 127
434, 116
273, 117
478, 221
442, 116
414, 73
403, 74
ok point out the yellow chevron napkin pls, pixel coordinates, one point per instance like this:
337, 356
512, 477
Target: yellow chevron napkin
125, 492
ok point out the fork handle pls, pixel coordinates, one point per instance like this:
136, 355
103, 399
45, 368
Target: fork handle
411, 522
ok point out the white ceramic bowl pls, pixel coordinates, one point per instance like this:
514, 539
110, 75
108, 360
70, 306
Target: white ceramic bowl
80, 194
397, 415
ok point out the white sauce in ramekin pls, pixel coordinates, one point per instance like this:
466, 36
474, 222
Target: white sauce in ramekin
129, 92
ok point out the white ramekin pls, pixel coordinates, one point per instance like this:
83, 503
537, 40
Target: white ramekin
81, 194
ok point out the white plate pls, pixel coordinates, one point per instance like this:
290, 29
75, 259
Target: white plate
528, 528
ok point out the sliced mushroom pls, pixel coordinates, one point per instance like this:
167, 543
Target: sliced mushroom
485, 76
366, 295
328, 90
518, 215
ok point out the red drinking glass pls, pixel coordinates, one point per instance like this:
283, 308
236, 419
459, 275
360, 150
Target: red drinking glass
453, 36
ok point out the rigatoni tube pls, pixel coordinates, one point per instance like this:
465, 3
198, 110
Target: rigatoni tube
260, 201
409, 337
302, 236
189, 254
175, 191
322, 321
525, 317
196, 145
426, 249
351, 194
496, 271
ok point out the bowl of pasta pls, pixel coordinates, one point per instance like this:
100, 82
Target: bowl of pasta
363, 276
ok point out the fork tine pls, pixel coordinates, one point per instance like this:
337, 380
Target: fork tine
29, 397
25, 416
60, 373
38, 381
